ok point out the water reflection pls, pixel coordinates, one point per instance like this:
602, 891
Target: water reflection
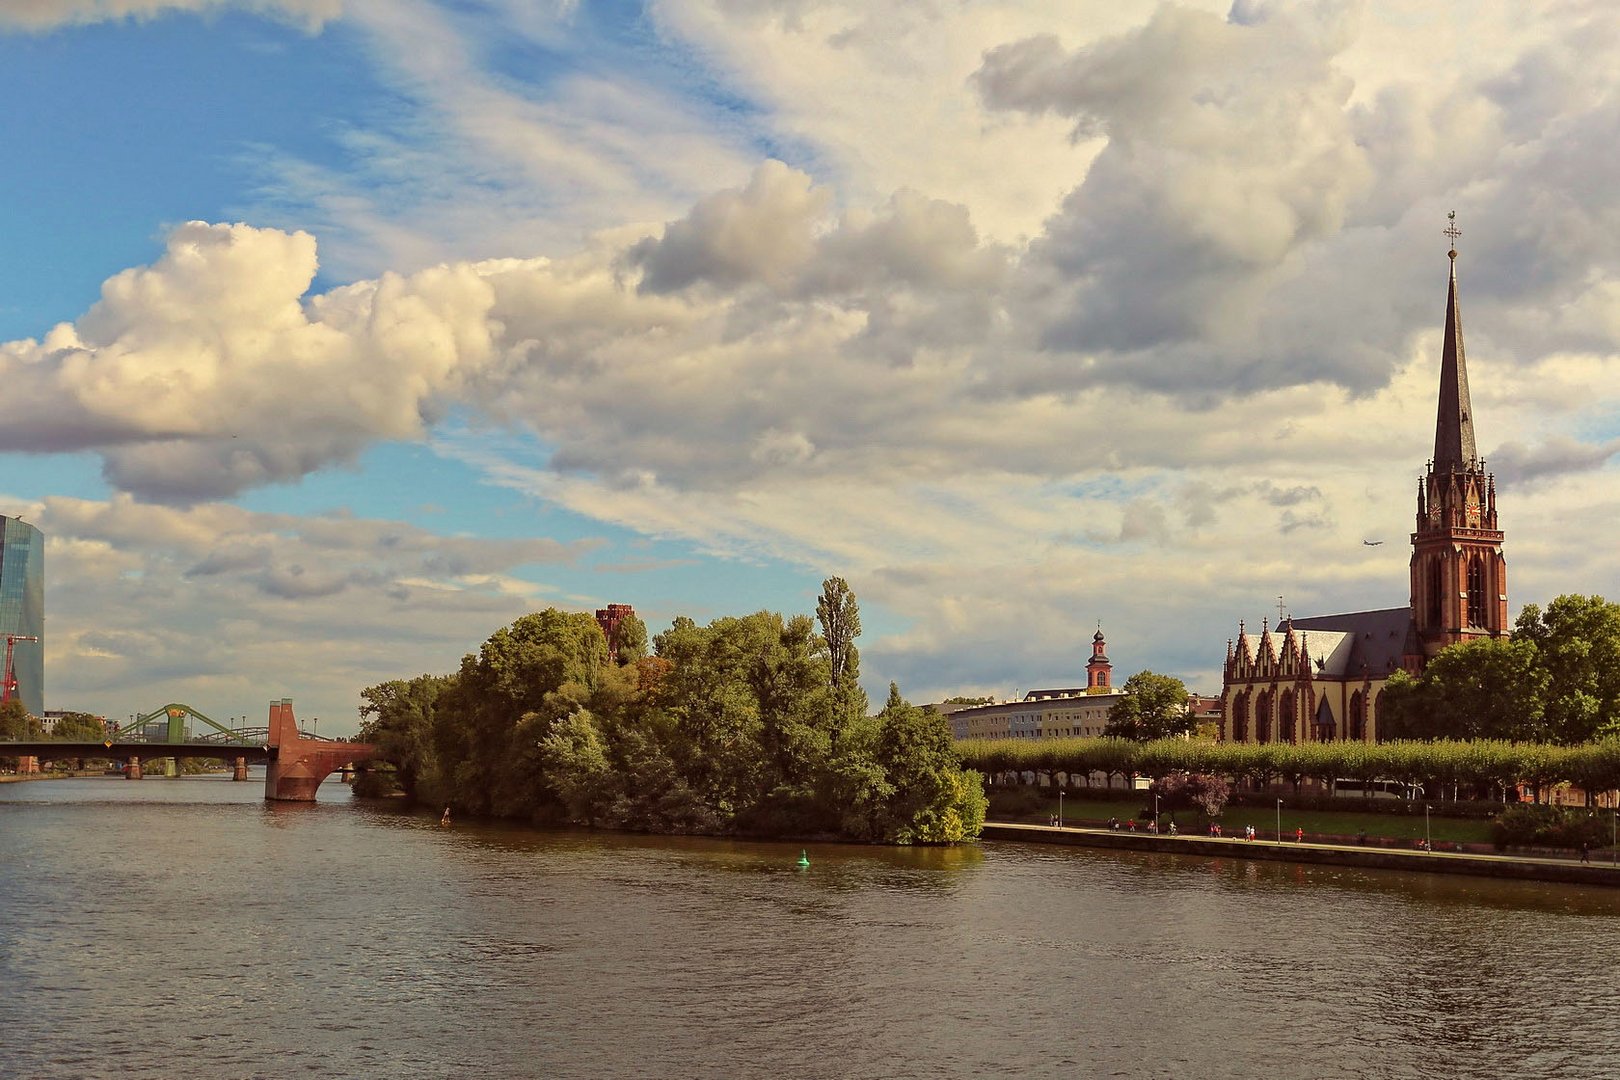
173, 928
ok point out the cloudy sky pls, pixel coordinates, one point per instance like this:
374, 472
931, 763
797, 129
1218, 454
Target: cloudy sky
335, 334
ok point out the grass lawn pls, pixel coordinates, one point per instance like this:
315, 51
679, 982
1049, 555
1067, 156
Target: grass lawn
1407, 827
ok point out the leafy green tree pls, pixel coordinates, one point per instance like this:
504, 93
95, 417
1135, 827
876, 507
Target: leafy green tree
1153, 707
399, 717
1576, 642
931, 800
502, 703
1473, 690
79, 727
578, 769
840, 619
16, 722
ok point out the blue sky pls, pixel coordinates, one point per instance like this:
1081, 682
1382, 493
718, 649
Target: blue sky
1020, 316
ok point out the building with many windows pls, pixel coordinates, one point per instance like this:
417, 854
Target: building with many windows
22, 607
1047, 714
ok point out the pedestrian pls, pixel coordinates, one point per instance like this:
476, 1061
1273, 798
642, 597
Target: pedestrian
1172, 828
1299, 834
444, 819
1248, 832
1586, 852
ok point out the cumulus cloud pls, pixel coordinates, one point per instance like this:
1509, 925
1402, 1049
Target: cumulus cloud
236, 606
1516, 463
39, 15
1228, 149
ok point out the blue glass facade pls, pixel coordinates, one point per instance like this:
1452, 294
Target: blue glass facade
22, 606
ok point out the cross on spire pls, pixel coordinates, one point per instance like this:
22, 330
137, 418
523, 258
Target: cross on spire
1452, 232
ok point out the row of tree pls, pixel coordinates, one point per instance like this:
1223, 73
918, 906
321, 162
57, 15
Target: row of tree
1556, 680
754, 725
1478, 768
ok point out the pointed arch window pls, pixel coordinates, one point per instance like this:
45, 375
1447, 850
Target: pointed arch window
1476, 591
1285, 717
1358, 717
1437, 571
1324, 722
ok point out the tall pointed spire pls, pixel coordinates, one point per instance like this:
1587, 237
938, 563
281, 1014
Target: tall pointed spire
1454, 424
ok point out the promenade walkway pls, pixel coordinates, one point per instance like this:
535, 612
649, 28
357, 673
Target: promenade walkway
1518, 867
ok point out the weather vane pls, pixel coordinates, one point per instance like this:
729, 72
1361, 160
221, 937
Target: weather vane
1452, 231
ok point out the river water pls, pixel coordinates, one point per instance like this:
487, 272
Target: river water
184, 928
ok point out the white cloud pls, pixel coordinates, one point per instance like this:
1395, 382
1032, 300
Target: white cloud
225, 606
1006, 381
39, 15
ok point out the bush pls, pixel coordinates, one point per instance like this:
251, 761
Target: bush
1539, 825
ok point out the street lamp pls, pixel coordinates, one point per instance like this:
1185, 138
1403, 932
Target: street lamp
1614, 834
1279, 821
1155, 813
1060, 808
1428, 844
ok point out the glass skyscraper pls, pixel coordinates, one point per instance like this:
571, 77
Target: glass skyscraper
22, 606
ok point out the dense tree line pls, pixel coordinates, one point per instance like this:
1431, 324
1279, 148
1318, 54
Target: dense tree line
1556, 680
1478, 768
754, 725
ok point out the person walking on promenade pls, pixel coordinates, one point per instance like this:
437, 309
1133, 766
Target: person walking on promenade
1299, 834
1586, 852
1248, 832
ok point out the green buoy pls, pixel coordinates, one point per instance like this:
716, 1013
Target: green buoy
804, 859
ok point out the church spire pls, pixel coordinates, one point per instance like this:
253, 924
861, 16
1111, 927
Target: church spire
1454, 424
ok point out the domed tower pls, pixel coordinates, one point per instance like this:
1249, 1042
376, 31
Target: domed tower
1459, 575
1098, 669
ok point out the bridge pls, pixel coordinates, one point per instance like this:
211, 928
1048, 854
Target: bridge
296, 763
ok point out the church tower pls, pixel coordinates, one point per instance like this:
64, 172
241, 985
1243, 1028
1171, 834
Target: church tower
1459, 577
1098, 669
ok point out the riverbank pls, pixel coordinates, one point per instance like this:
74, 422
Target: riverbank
1514, 867
76, 774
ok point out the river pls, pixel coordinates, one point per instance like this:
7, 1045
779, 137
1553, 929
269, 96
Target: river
184, 928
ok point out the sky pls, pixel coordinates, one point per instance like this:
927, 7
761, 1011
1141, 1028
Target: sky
336, 334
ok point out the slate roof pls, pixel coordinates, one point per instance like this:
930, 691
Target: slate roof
1372, 641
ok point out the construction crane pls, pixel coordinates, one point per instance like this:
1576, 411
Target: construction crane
10, 682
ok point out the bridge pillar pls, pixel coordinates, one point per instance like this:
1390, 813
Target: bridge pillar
27, 766
240, 772
132, 768
298, 765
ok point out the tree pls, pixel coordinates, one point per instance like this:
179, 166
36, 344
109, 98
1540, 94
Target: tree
398, 716
1182, 791
79, 727
1480, 689
931, 799
15, 721
840, 619
1153, 707
1576, 643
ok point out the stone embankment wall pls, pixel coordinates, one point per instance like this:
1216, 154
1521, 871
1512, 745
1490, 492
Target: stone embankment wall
1439, 862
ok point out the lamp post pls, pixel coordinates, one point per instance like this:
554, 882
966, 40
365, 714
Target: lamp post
1428, 844
1614, 834
1279, 821
1155, 814
1060, 808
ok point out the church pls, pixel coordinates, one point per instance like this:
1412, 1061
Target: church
1322, 678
